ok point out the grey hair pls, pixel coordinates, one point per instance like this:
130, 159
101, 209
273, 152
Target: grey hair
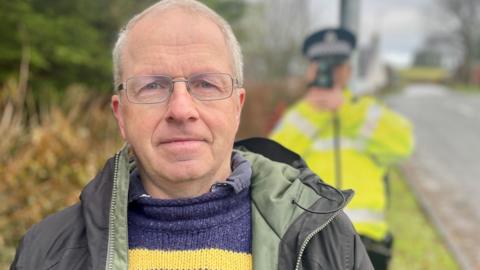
190, 5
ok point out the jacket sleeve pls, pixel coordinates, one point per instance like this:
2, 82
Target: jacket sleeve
362, 261
391, 137
20, 253
298, 128
15, 264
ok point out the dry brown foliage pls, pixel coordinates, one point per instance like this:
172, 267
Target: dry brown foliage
47, 155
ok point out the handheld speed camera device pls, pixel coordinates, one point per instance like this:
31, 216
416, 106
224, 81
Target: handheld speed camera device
328, 49
324, 77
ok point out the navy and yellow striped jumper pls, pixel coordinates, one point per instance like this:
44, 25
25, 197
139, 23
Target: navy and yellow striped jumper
212, 231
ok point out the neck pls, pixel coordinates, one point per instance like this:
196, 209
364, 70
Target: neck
177, 189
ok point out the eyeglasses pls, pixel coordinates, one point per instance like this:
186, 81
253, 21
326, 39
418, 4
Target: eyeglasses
158, 88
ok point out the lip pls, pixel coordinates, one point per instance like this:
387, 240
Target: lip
181, 140
182, 148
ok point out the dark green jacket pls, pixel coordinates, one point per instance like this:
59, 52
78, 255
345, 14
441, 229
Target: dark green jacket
92, 234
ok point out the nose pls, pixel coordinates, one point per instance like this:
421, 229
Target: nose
181, 105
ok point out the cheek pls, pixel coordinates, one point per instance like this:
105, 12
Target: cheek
141, 122
222, 122
233, 122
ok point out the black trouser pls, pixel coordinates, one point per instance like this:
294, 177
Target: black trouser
380, 252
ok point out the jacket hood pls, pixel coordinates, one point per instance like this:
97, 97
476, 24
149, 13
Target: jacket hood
296, 189
278, 153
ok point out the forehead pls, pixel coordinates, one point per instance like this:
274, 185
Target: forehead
175, 36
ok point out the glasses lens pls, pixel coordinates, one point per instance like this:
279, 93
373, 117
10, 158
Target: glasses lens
210, 86
155, 89
148, 89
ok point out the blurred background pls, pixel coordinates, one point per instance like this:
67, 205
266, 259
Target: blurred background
422, 57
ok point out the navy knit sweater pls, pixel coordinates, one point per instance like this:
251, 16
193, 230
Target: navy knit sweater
212, 231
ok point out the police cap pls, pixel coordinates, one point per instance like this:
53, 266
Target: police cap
329, 42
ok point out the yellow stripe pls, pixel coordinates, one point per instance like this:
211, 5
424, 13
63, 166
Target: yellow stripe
143, 259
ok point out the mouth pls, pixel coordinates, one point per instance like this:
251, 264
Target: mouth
182, 143
183, 148
182, 140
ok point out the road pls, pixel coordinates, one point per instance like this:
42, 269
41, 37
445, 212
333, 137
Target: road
445, 168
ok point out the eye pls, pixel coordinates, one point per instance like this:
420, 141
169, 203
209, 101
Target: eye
153, 86
205, 84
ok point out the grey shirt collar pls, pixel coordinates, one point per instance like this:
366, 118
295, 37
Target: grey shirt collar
239, 180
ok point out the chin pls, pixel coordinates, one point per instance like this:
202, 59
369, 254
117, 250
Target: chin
184, 171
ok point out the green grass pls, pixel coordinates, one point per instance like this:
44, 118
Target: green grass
423, 74
467, 88
417, 243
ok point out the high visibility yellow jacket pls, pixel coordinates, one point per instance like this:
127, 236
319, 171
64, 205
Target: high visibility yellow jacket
372, 138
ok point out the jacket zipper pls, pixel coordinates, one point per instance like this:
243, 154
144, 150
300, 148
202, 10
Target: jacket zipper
310, 236
111, 219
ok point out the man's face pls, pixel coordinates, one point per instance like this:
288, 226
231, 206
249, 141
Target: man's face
182, 139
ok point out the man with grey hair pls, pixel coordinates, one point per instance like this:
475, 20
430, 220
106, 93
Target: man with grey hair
179, 195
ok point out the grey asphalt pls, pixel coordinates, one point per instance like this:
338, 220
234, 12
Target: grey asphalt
444, 170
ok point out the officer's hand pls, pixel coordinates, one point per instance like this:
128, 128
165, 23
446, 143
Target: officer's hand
325, 99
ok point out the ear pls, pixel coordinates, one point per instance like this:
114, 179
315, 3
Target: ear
116, 105
241, 100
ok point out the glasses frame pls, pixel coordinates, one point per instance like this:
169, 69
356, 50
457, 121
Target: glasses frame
186, 80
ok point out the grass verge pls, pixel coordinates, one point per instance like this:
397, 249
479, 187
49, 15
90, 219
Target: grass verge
424, 74
467, 88
417, 244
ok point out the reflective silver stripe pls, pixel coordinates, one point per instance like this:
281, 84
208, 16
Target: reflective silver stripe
366, 131
364, 215
302, 124
328, 144
371, 121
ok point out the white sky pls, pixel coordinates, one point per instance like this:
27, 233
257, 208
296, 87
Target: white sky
401, 24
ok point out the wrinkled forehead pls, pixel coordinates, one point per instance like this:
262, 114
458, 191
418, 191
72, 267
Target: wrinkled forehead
175, 28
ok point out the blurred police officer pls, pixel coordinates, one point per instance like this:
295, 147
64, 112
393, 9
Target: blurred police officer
347, 140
